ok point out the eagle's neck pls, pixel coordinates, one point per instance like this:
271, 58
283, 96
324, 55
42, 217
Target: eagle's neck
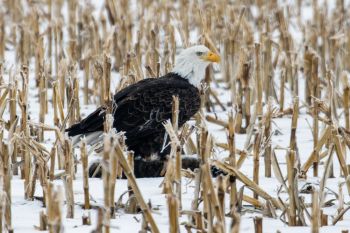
191, 71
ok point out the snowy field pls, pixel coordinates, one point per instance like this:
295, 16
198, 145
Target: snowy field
25, 213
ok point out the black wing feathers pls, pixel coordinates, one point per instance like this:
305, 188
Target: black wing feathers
150, 106
140, 108
92, 123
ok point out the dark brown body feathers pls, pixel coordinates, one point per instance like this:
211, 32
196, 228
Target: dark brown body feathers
140, 109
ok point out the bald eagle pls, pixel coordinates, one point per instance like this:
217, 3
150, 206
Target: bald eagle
141, 108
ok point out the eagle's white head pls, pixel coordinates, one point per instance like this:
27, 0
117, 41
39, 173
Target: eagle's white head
192, 62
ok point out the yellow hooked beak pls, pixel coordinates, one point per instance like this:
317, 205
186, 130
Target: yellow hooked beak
211, 57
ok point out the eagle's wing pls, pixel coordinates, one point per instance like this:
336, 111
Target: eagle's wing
94, 121
140, 108
142, 111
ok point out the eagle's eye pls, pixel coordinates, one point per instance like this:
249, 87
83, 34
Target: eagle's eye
199, 53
